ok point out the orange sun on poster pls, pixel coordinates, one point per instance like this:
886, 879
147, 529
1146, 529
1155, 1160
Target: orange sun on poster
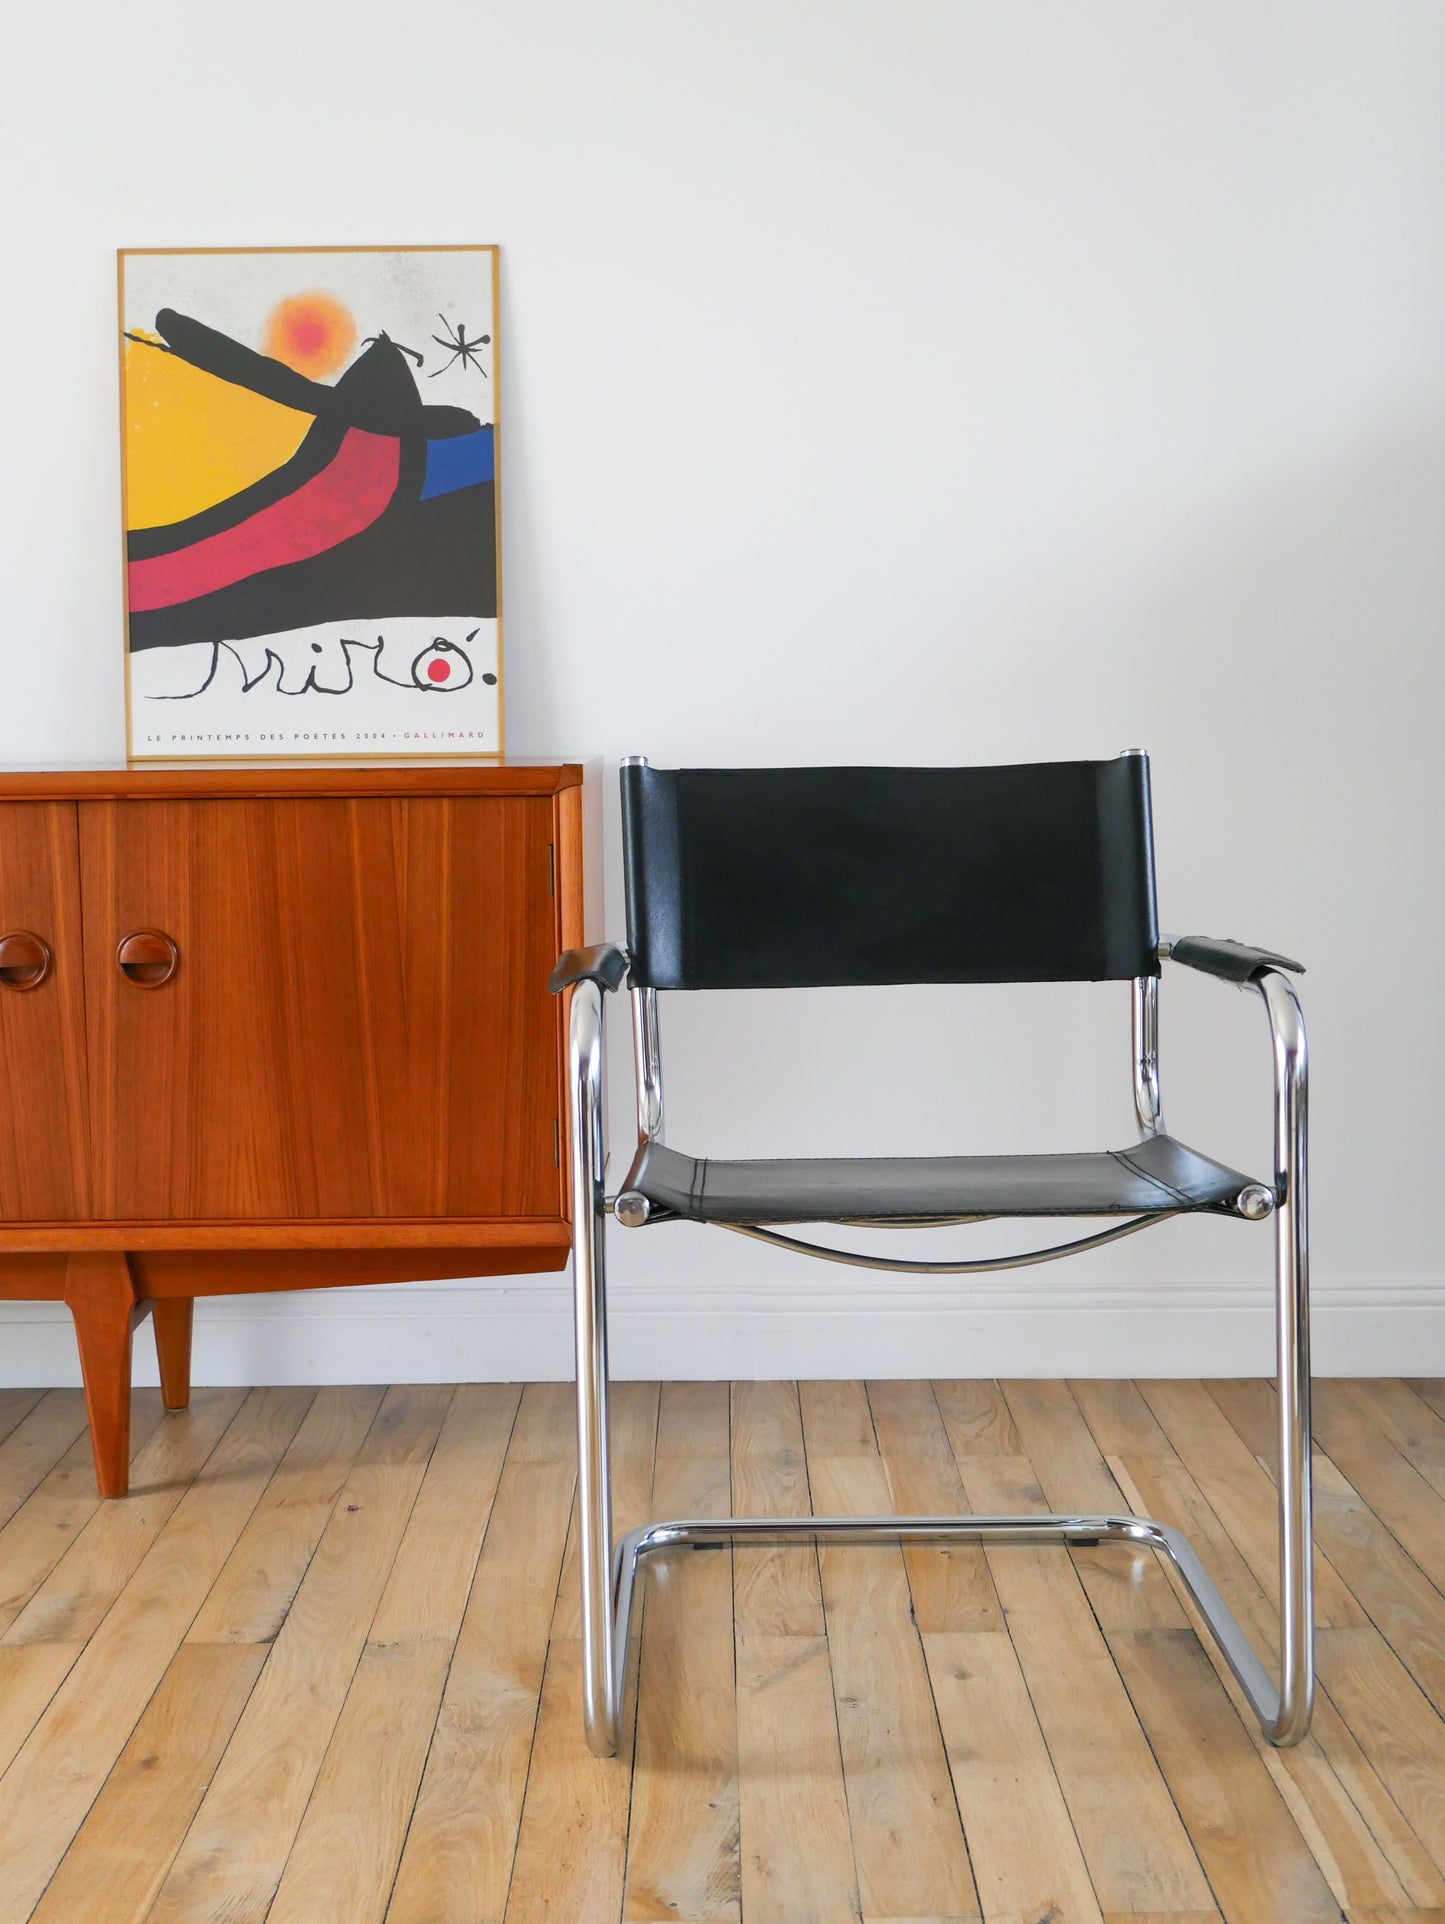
312, 333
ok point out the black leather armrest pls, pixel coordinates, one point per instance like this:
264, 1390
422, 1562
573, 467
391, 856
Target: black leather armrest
606, 965
1231, 961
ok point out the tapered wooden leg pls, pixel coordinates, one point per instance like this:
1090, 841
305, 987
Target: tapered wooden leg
172, 1318
100, 1295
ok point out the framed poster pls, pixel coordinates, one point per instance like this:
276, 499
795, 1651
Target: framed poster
308, 450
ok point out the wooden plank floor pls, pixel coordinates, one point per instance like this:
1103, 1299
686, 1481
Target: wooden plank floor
321, 1667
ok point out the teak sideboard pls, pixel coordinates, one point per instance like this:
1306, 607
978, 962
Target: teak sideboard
267, 1028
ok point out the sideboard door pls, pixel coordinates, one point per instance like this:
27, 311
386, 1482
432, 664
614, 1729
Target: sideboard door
43, 1172
354, 1022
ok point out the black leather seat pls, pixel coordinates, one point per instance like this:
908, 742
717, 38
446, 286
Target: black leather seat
1157, 1175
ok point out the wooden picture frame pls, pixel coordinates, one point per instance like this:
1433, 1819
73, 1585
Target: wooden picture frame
310, 502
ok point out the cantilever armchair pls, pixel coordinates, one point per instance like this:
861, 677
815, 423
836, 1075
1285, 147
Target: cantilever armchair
803, 877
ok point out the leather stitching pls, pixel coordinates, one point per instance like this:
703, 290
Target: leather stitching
1147, 1175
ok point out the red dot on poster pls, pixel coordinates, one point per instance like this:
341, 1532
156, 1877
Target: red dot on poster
437, 671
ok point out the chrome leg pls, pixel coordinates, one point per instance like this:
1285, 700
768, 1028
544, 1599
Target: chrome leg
1296, 1573
601, 1666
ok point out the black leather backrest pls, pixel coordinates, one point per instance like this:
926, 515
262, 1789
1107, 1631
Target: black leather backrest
756, 878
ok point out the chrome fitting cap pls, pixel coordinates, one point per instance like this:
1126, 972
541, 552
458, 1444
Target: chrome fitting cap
1256, 1202
631, 1209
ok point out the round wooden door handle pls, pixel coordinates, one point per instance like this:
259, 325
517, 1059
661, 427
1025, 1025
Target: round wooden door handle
147, 958
24, 959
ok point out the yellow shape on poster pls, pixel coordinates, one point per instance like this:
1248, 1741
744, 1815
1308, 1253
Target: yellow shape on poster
192, 440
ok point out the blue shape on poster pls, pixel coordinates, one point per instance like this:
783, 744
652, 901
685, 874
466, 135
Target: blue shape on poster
461, 461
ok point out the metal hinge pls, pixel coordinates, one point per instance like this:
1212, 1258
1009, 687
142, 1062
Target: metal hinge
556, 1143
551, 868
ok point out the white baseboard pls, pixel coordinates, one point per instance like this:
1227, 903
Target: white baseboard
520, 1330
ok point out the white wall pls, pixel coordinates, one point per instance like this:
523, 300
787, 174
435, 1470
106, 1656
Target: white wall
924, 382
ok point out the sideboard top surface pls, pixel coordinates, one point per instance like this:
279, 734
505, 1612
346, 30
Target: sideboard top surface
121, 781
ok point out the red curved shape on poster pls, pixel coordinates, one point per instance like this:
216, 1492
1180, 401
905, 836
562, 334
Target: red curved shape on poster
347, 496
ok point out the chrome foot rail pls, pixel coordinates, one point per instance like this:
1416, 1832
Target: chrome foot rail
1278, 1720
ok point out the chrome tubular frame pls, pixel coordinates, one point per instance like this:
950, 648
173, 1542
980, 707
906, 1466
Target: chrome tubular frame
601, 1662
609, 1572
1292, 1340
1148, 1102
647, 1064
981, 1266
